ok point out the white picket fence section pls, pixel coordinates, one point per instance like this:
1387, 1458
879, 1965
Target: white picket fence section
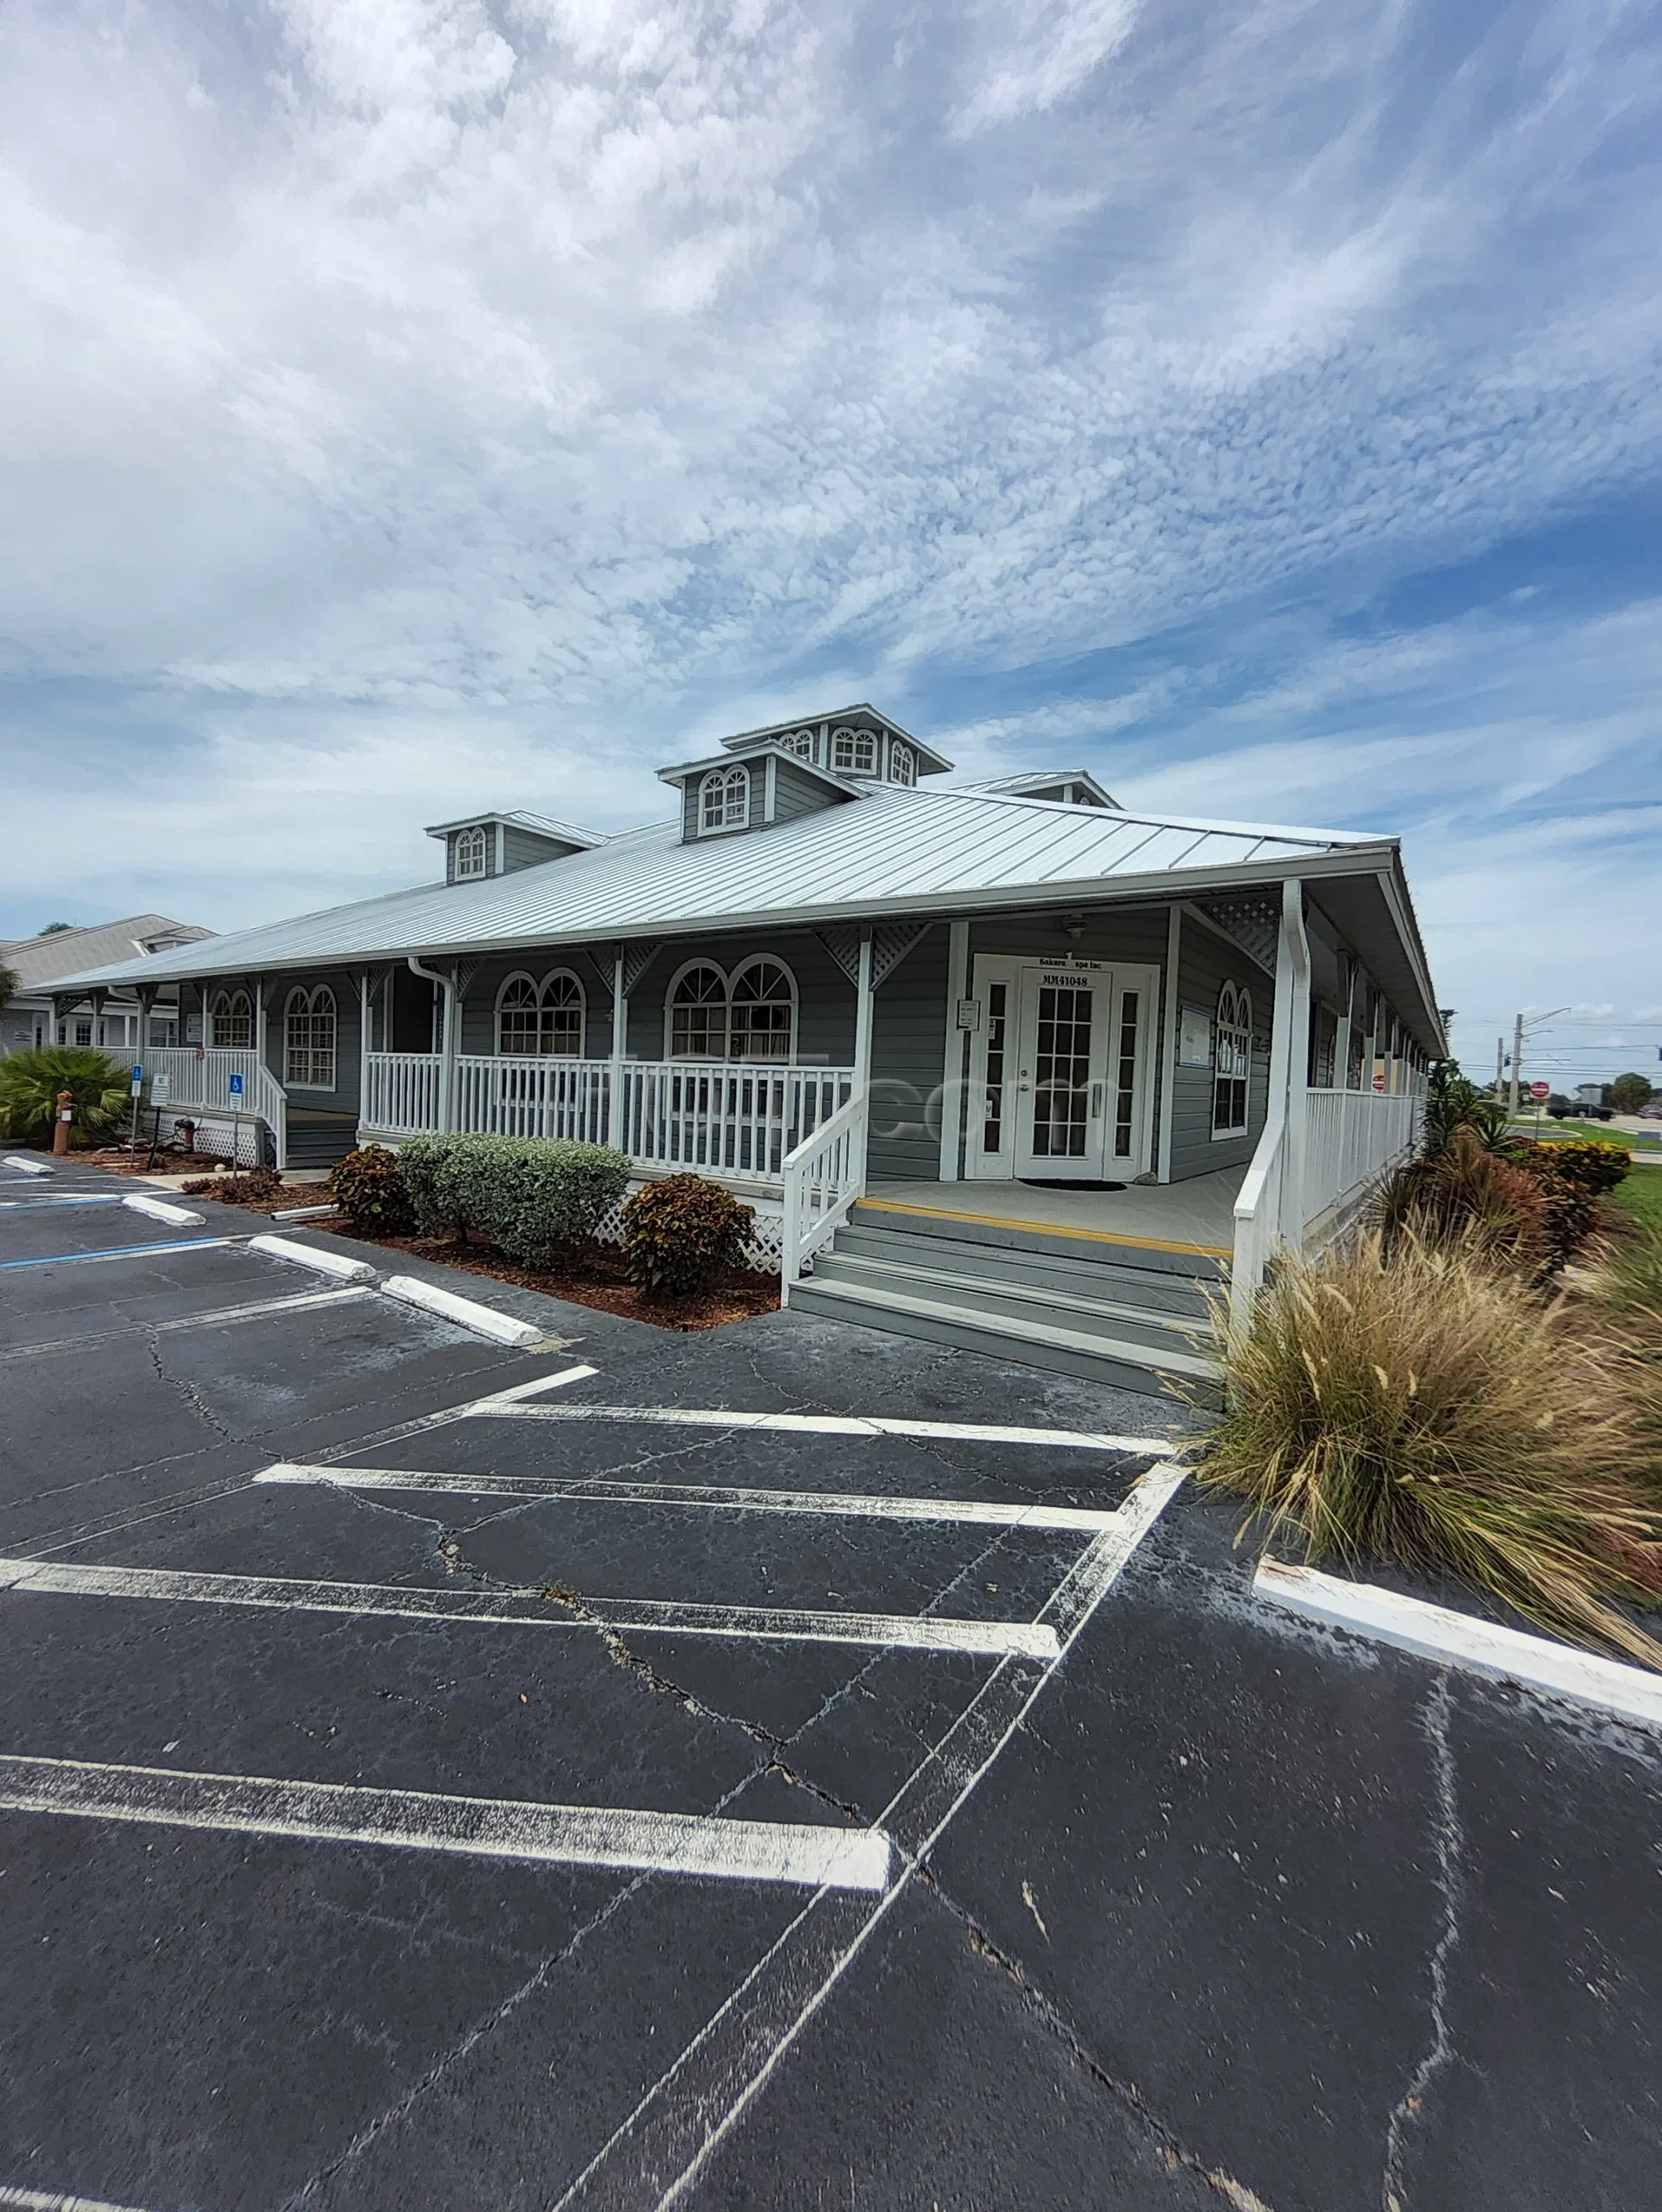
823, 1178
199, 1086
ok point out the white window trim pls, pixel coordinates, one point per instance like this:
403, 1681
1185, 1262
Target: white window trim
758, 960
307, 1005
1240, 999
730, 783
465, 837
688, 1060
855, 737
540, 991
221, 1007
900, 751
803, 745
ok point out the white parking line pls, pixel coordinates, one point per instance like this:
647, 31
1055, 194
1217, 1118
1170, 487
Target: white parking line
657, 2154
37, 2200
1071, 1440
853, 1504
482, 1827
303, 1302
530, 1608
1437, 1632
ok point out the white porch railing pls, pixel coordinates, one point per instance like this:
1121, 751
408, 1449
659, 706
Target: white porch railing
1350, 1138
824, 1176
741, 1120
401, 1093
542, 1097
198, 1082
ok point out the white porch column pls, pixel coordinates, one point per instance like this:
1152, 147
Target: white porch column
617, 1126
1289, 1059
1341, 1034
1169, 1041
448, 1025
363, 1041
951, 1074
865, 1007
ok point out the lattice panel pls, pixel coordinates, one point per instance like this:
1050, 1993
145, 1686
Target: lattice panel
1252, 919
764, 1255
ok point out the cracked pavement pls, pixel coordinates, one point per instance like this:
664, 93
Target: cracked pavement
1243, 1913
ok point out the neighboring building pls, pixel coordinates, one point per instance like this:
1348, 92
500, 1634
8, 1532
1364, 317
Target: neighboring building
1009, 1017
120, 1020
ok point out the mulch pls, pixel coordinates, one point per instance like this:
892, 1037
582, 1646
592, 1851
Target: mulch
591, 1275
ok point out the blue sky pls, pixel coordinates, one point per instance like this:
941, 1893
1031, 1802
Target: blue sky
412, 405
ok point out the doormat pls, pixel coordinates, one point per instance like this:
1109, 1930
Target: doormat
1064, 1183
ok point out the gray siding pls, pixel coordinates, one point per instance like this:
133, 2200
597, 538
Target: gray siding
343, 1098
1206, 963
824, 995
796, 794
525, 849
908, 1043
479, 1008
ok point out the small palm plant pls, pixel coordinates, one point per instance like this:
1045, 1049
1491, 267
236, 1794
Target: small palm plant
30, 1083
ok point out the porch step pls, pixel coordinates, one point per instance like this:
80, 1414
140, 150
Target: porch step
318, 1139
1137, 1328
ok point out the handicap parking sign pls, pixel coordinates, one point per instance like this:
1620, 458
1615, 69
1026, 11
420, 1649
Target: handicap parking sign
235, 1086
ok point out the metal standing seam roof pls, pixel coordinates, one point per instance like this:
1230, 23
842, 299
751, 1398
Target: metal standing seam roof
39, 961
898, 850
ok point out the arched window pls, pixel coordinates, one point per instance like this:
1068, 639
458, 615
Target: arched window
545, 1018
697, 1010
761, 1021
902, 764
471, 854
230, 1022
801, 742
724, 800
309, 1039
1231, 1061
855, 750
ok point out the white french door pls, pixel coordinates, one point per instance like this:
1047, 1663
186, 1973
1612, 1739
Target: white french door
1059, 1071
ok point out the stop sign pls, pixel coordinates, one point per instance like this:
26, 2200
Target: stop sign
1540, 1090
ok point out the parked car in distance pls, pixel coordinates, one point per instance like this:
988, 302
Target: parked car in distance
1560, 1112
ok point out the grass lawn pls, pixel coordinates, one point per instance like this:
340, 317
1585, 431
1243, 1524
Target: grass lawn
1640, 1195
1525, 1126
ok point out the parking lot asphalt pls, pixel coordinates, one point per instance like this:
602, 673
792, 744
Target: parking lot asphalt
782, 1767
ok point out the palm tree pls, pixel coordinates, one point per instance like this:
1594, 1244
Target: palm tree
30, 1082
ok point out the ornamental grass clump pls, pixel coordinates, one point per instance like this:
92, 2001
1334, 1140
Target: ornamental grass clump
1413, 1402
1626, 1288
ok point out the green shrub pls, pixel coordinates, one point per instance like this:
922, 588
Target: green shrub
676, 1233
1418, 1405
368, 1187
530, 1197
30, 1082
1454, 1101
253, 1189
1470, 1196
1590, 1165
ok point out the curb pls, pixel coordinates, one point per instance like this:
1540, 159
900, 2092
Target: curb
160, 1209
1437, 1632
25, 1167
307, 1256
467, 1312
303, 1213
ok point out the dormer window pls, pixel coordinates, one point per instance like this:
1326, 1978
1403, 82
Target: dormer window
902, 764
723, 800
801, 742
854, 751
472, 855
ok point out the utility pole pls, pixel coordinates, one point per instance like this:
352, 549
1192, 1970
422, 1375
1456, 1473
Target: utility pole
1517, 1061
1499, 1063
